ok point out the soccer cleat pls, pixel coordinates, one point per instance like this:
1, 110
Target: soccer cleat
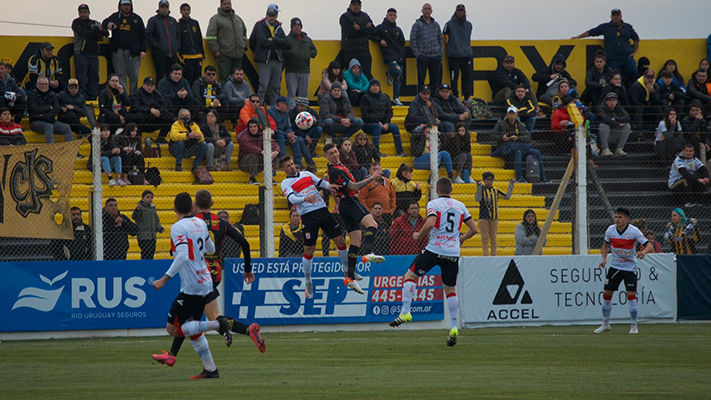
257, 338
225, 329
603, 328
309, 290
351, 284
205, 374
633, 329
401, 319
358, 277
373, 258
453, 335
165, 358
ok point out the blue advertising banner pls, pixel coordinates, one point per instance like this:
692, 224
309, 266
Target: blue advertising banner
276, 297
78, 295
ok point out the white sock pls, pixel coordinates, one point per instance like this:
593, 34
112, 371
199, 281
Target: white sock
307, 263
202, 348
606, 309
192, 328
634, 309
453, 306
408, 293
343, 255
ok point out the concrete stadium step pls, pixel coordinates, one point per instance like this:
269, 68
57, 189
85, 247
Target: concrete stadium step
169, 191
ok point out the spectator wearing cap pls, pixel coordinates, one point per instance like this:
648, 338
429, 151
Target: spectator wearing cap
192, 51
87, 34
11, 95
269, 53
10, 131
227, 38
177, 92
596, 78
45, 63
297, 62
149, 110
357, 82
614, 85
251, 146
164, 37
356, 29
285, 133
450, 110
506, 78
427, 44
551, 77
377, 111
72, 108
514, 143
128, 43
237, 91
563, 127
312, 135
336, 113
523, 101
618, 50
417, 123
614, 126
645, 102
671, 95
392, 47
43, 107
209, 93
457, 34
186, 140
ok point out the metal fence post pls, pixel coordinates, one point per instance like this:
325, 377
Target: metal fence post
434, 161
581, 192
267, 200
96, 211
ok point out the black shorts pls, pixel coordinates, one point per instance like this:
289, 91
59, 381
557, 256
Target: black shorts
186, 307
316, 219
352, 212
427, 260
615, 276
214, 294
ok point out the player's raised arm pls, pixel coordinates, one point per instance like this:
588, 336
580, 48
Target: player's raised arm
355, 186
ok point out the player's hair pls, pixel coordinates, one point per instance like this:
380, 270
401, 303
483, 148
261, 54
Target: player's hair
328, 147
183, 203
146, 192
283, 160
203, 199
210, 68
623, 211
176, 67
75, 208
444, 185
109, 200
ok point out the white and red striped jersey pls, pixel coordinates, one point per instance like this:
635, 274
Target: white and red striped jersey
190, 236
623, 246
444, 237
301, 185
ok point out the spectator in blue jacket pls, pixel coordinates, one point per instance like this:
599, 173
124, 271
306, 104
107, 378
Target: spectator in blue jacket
458, 33
164, 37
618, 50
357, 82
285, 133
427, 44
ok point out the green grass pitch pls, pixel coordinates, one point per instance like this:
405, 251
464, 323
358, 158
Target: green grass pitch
665, 361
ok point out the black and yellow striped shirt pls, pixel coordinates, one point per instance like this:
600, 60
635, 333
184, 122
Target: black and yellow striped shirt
683, 238
489, 204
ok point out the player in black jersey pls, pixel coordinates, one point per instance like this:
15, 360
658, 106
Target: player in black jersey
354, 214
219, 230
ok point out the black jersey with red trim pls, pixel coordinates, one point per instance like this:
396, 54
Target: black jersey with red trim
219, 230
340, 175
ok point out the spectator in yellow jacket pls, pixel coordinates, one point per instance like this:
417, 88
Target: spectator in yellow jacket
186, 140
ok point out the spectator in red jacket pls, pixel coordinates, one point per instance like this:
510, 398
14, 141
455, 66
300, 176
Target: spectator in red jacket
10, 131
401, 233
563, 127
250, 158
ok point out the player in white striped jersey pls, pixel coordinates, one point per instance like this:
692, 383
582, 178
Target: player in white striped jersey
189, 241
622, 238
445, 217
301, 189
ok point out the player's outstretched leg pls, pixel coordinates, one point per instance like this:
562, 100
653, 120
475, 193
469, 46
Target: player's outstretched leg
248, 330
307, 263
225, 328
205, 374
606, 309
408, 293
453, 335
350, 280
453, 307
202, 348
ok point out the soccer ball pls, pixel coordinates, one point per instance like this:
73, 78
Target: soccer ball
304, 120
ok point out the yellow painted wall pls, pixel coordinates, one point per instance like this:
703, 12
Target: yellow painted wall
488, 54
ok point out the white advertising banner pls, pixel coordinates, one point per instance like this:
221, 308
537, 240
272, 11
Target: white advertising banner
539, 290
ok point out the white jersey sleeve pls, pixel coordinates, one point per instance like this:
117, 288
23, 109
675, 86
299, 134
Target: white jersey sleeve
296, 188
444, 236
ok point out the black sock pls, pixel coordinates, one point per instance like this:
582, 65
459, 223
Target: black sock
369, 240
175, 347
352, 260
238, 327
